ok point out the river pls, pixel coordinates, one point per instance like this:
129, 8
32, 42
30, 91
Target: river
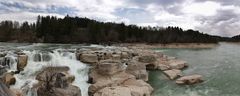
219, 66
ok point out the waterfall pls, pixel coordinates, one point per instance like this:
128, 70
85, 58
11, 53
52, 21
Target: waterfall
39, 59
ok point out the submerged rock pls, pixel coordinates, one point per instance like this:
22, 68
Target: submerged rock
189, 80
173, 74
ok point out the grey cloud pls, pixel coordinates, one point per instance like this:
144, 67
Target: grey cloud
224, 23
159, 2
223, 2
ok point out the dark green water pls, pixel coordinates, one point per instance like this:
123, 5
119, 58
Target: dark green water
219, 66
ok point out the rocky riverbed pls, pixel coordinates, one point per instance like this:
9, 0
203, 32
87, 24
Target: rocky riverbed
113, 71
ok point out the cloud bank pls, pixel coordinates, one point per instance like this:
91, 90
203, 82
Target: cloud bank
216, 17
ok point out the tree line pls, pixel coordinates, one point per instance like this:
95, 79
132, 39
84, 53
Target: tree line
50, 29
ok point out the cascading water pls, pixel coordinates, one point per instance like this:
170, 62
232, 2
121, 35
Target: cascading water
37, 60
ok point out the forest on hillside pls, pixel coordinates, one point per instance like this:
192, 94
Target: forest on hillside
50, 29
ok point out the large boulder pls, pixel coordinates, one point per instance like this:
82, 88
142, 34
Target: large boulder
22, 62
173, 74
109, 67
88, 58
8, 79
189, 80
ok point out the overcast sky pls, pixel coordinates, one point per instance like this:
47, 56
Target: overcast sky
216, 17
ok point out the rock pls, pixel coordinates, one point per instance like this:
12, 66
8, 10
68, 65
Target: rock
151, 66
46, 57
88, 58
2, 70
6, 61
114, 91
178, 64
55, 91
116, 57
138, 70
138, 87
22, 62
171, 58
37, 57
109, 67
189, 80
130, 87
55, 83
125, 55
3, 54
173, 74
163, 67
147, 59
68, 77
4, 91
41, 76
100, 81
17, 92
8, 79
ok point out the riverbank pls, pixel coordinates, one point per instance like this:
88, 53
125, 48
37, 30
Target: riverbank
171, 45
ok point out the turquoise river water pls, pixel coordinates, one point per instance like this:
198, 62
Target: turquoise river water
219, 66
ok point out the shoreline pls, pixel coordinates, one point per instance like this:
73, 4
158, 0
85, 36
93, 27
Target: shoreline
172, 45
